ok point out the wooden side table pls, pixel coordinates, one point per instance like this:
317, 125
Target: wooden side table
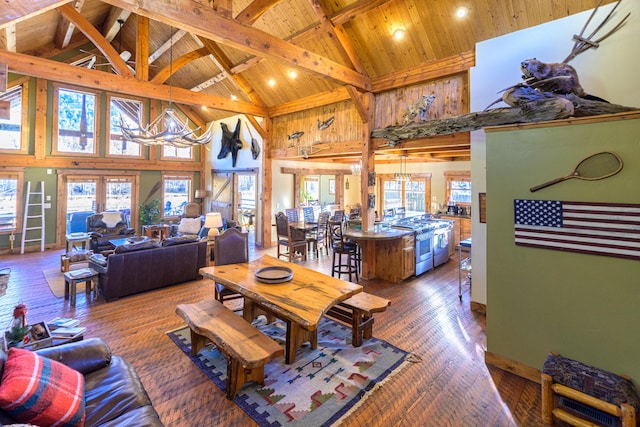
71, 278
77, 241
210, 245
160, 231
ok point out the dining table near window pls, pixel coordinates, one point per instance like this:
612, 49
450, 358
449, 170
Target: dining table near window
300, 301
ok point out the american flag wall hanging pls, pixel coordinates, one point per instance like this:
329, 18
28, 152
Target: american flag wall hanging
608, 229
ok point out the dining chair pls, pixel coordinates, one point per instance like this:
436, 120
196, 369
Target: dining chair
230, 247
338, 216
292, 214
308, 214
294, 248
342, 248
322, 234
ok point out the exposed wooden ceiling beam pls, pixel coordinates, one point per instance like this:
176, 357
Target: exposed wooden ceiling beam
64, 73
210, 82
223, 61
142, 49
353, 10
337, 34
203, 21
111, 26
223, 8
315, 30
16, 11
326, 98
425, 71
255, 10
97, 39
65, 28
164, 74
166, 45
8, 38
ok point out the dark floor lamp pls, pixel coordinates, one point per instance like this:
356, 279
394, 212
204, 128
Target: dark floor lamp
200, 196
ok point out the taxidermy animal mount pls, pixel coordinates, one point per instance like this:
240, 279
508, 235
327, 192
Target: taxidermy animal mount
295, 135
420, 107
559, 78
230, 142
325, 125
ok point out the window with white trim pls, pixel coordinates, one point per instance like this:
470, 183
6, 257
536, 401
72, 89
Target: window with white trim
12, 136
10, 196
176, 193
128, 112
75, 121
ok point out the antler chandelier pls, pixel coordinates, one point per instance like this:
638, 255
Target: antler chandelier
167, 128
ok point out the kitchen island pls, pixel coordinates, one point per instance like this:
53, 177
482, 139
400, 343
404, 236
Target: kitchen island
387, 254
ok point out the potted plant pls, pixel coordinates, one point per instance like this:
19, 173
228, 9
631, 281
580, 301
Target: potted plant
14, 336
149, 212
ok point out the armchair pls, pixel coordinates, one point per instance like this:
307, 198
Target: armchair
107, 226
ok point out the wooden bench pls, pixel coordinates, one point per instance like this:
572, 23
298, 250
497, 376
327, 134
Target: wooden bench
358, 312
583, 395
243, 345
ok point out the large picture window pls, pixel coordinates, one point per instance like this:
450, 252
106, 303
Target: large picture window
458, 187
75, 124
413, 195
176, 193
130, 112
10, 195
170, 152
12, 137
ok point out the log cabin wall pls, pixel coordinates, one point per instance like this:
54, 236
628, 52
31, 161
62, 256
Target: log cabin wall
347, 125
452, 98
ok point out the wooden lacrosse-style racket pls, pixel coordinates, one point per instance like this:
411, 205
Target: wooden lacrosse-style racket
596, 166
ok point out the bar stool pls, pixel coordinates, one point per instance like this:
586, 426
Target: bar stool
342, 250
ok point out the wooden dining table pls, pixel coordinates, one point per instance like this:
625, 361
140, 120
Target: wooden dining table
300, 302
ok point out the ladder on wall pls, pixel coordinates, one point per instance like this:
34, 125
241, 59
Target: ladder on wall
33, 217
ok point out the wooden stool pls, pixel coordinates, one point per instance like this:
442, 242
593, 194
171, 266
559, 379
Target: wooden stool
71, 278
580, 394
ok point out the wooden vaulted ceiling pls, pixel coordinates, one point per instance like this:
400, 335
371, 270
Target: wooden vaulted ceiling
221, 54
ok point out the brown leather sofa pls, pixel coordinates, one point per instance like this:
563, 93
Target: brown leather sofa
114, 394
147, 266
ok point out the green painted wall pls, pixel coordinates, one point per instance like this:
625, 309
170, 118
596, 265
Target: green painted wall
586, 307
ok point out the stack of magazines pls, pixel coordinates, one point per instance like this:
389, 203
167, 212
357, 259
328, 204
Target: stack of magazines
65, 327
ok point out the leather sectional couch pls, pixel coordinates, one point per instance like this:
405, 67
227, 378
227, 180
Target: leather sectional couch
137, 268
113, 392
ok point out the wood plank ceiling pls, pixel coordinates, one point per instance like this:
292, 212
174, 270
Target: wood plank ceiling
261, 57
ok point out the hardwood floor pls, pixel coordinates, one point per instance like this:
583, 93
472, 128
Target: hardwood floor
451, 386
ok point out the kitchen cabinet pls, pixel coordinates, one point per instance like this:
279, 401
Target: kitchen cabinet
408, 256
461, 228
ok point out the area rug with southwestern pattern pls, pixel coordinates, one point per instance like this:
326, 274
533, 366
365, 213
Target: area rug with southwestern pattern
320, 388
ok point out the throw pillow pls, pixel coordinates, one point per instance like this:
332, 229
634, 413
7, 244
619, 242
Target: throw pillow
99, 259
41, 391
189, 226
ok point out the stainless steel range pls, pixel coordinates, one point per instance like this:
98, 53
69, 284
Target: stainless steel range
432, 240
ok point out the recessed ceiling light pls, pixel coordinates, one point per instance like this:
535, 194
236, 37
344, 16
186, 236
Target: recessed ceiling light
234, 98
204, 107
271, 82
293, 74
398, 34
462, 12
